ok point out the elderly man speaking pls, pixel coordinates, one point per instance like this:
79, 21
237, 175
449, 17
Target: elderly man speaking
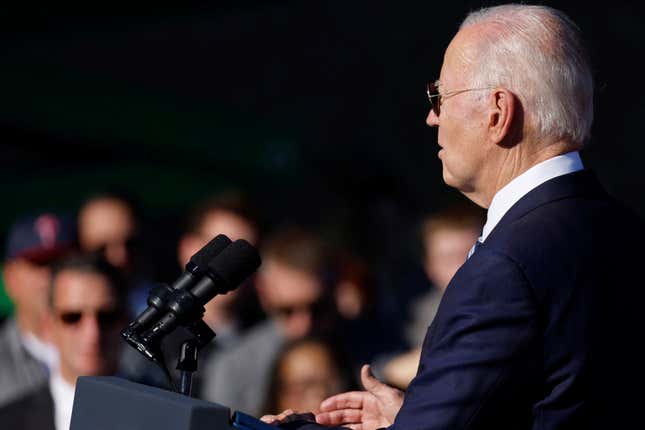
537, 330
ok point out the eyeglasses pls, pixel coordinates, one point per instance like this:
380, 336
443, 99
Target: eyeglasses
130, 244
432, 89
106, 319
287, 311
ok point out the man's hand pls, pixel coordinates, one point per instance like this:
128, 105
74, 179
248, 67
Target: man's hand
287, 416
362, 410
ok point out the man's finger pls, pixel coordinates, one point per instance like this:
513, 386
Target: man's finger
340, 417
351, 400
368, 379
269, 419
370, 382
284, 414
277, 419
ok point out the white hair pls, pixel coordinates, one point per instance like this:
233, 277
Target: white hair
537, 53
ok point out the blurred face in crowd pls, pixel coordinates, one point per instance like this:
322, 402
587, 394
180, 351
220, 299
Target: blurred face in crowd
307, 375
85, 324
27, 284
228, 223
462, 120
446, 250
216, 222
291, 296
108, 225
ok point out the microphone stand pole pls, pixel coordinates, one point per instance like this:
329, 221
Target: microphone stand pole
188, 354
187, 364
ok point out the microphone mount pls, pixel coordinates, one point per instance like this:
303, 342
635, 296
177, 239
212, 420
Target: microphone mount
182, 307
172, 307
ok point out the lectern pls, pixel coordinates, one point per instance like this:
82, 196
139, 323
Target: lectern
111, 403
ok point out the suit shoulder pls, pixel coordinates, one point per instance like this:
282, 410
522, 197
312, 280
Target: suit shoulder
34, 404
578, 222
572, 241
251, 346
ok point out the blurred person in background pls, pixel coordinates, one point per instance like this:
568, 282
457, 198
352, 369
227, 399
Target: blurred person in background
352, 292
229, 214
108, 225
87, 309
306, 372
365, 331
446, 236
293, 292
26, 352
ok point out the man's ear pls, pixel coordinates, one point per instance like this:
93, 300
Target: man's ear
503, 116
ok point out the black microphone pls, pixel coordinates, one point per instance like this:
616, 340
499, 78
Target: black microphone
162, 294
225, 273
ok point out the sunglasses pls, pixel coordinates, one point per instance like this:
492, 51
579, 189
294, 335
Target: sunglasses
436, 97
315, 309
130, 243
105, 319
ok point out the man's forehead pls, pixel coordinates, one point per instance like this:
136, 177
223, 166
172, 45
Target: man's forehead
228, 223
461, 52
80, 289
287, 283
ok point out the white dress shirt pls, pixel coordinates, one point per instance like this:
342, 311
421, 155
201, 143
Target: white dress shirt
43, 351
63, 394
527, 181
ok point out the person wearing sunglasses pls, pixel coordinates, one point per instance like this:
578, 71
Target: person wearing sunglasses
293, 292
86, 311
541, 326
34, 242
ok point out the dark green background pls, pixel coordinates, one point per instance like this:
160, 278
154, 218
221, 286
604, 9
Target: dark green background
315, 108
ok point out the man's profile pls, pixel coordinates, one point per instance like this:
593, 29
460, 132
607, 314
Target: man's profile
538, 329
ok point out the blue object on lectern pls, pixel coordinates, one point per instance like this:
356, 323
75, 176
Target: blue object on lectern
242, 421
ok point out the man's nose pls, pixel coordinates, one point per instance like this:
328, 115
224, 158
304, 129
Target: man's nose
91, 328
432, 120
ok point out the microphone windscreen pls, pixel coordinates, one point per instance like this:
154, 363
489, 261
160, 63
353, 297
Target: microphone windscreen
211, 250
236, 263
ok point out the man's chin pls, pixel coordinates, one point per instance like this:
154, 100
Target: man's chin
462, 186
96, 369
448, 179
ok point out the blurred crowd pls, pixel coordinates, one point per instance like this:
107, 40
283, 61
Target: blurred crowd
294, 334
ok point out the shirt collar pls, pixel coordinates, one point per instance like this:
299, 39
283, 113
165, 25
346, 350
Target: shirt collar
43, 351
527, 181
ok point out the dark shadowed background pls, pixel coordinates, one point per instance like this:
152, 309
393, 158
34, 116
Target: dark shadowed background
315, 108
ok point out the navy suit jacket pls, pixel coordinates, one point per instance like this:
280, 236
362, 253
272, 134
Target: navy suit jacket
540, 328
